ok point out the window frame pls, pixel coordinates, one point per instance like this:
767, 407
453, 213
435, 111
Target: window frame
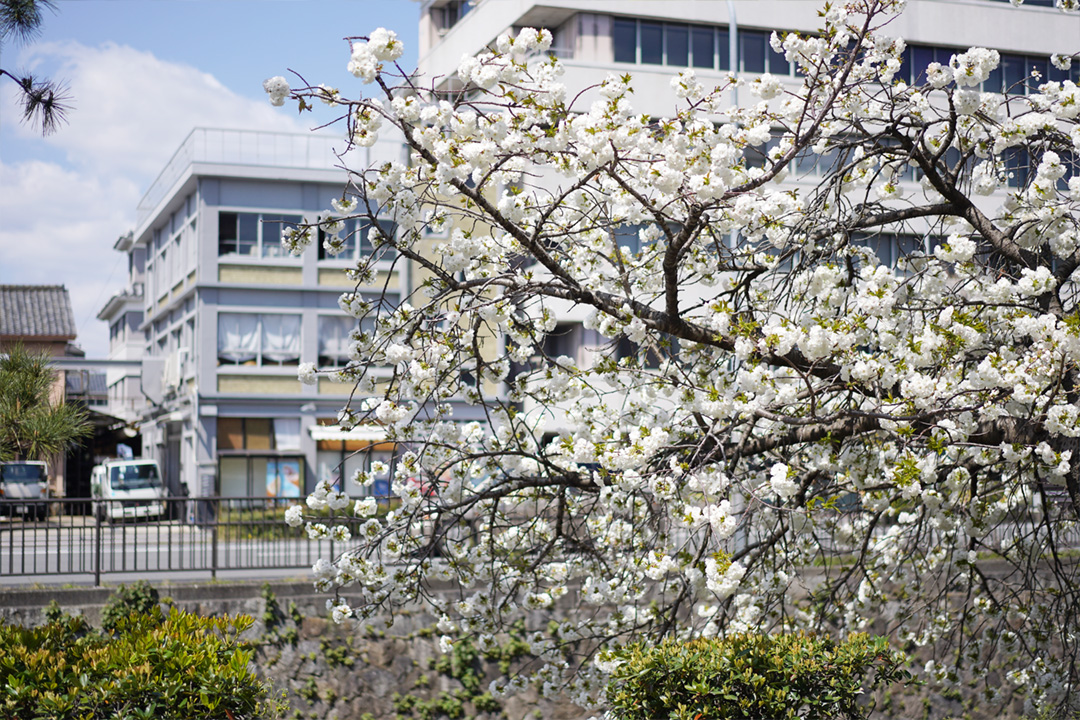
261, 245
357, 246
259, 361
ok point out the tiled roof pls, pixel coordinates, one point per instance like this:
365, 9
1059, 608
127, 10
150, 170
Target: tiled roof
36, 311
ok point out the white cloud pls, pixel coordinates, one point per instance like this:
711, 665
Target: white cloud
132, 111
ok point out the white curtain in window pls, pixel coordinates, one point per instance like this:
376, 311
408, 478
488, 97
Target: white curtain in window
334, 337
287, 433
281, 338
238, 337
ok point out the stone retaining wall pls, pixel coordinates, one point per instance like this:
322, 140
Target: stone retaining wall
327, 671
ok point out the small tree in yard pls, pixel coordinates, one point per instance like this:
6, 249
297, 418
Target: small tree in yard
794, 435
31, 427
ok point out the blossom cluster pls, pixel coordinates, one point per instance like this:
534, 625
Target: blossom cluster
654, 367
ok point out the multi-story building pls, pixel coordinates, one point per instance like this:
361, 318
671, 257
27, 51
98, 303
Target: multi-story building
123, 314
654, 39
227, 315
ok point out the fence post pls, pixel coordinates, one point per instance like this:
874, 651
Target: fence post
214, 536
97, 541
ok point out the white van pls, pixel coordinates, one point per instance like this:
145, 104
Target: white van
131, 488
25, 480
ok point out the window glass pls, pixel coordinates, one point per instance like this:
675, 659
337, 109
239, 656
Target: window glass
272, 227
651, 38
247, 233
1016, 166
806, 162
624, 38
287, 433
752, 51
1013, 73
347, 236
234, 476
1040, 65
328, 466
281, 339
703, 46
1055, 75
226, 233
238, 338
723, 49
230, 433
357, 233
257, 434
921, 56
565, 339
355, 462
252, 234
252, 339
388, 228
334, 340
677, 42
778, 64
627, 236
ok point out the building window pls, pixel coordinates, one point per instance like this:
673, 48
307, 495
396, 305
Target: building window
624, 39
647, 355
337, 465
258, 433
260, 476
890, 247
703, 47
752, 51
357, 240
253, 234
450, 14
260, 340
1012, 75
258, 457
677, 45
650, 42
334, 340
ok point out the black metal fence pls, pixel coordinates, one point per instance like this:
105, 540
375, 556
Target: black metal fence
91, 537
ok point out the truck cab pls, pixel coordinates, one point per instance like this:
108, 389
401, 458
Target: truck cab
128, 489
27, 481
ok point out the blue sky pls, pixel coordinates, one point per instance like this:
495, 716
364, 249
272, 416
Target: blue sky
142, 73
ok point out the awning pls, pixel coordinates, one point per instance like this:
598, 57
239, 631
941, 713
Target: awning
362, 433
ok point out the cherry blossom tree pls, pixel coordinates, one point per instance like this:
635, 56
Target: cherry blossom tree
776, 429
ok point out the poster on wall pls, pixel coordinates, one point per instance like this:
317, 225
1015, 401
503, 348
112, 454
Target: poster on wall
283, 478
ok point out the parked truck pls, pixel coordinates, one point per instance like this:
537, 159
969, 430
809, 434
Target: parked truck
128, 489
25, 481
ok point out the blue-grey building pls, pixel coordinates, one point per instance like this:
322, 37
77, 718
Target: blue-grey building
227, 316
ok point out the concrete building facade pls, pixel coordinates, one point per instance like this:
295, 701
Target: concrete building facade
223, 316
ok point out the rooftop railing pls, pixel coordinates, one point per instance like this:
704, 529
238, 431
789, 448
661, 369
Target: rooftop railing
255, 148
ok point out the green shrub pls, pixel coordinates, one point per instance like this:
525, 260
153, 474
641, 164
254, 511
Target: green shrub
752, 677
175, 667
141, 598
